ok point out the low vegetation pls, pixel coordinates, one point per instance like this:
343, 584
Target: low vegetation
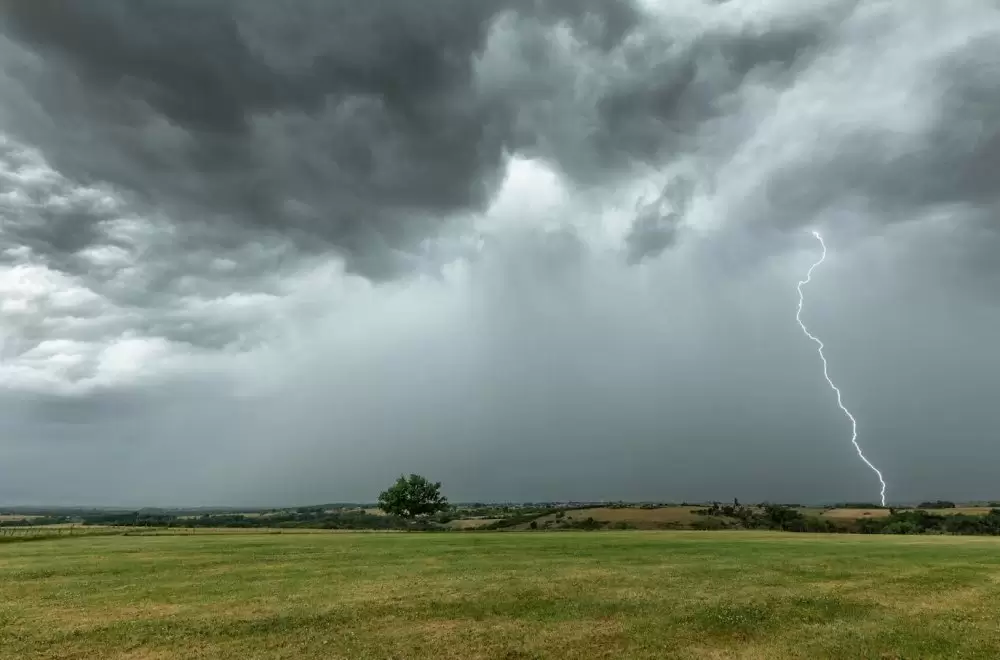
414, 503
542, 517
318, 517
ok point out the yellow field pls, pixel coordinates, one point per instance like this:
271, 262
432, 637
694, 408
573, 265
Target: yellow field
472, 523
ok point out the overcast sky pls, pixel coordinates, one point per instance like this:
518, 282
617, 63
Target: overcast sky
263, 254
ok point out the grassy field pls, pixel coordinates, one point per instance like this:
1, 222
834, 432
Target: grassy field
508, 596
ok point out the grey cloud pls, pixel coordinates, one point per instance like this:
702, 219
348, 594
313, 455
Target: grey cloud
360, 128
657, 222
357, 125
48, 213
597, 113
730, 100
914, 135
592, 387
652, 232
209, 174
111, 272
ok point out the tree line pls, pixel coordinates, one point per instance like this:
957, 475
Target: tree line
899, 521
415, 503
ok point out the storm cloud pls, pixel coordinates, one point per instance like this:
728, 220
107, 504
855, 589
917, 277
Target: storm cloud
361, 127
535, 249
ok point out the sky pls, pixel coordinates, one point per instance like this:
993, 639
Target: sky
535, 250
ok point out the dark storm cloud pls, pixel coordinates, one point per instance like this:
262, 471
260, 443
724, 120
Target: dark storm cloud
61, 228
353, 123
659, 112
195, 107
359, 126
670, 80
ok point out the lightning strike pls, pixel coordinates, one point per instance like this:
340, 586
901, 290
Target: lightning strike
826, 374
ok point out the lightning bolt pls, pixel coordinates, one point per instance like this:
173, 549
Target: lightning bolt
826, 373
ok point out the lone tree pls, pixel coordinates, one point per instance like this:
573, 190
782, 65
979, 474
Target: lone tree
412, 497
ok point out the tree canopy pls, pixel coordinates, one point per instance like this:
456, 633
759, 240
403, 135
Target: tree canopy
412, 496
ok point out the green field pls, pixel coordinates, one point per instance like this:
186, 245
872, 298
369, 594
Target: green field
501, 595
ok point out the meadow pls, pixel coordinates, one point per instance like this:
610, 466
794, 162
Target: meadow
500, 595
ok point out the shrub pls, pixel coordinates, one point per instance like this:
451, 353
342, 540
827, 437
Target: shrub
710, 523
936, 504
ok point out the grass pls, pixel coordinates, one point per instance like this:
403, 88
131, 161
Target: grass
508, 596
17, 534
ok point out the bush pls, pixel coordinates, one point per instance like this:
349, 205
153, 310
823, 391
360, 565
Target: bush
672, 524
587, 525
901, 527
937, 504
525, 518
710, 523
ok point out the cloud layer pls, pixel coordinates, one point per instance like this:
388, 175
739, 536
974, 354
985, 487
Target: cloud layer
536, 250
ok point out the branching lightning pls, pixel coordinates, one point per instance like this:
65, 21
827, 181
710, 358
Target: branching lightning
826, 374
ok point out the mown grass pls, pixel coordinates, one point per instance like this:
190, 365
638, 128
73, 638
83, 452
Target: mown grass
506, 596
